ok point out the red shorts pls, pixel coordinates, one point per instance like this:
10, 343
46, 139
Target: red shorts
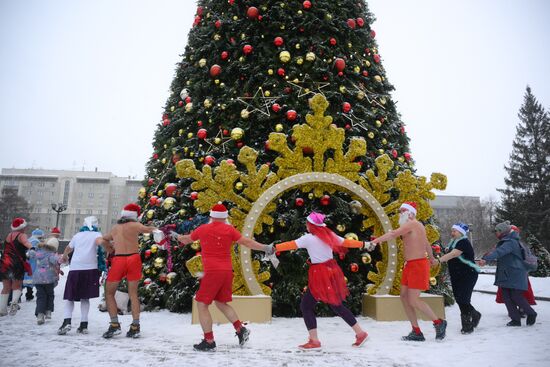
215, 286
416, 274
128, 267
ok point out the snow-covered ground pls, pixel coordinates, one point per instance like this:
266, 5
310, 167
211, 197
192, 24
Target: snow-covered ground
167, 340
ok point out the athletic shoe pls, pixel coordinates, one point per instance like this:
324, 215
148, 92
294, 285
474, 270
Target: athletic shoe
414, 337
133, 332
83, 328
311, 345
48, 315
531, 319
440, 330
476, 316
65, 327
40, 318
243, 335
114, 329
205, 346
360, 339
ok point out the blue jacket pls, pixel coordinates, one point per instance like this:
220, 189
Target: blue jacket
511, 272
47, 264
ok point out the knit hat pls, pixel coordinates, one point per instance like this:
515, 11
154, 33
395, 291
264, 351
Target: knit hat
38, 233
18, 224
90, 222
219, 211
53, 242
503, 227
131, 211
317, 219
461, 227
410, 206
56, 230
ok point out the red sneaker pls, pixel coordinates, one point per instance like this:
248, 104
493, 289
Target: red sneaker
360, 339
310, 345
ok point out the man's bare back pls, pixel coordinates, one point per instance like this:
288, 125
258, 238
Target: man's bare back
416, 243
124, 237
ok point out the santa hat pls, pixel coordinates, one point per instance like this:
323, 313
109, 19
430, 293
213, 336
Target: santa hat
131, 211
317, 219
515, 228
18, 224
219, 211
56, 230
410, 206
461, 227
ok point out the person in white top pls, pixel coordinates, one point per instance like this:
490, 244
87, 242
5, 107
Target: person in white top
326, 281
83, 278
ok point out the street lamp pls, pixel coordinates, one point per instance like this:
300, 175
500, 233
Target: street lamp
58, 208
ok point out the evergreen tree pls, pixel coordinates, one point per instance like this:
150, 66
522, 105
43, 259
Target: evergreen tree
246, 76
526, 198
543, 268
11, 206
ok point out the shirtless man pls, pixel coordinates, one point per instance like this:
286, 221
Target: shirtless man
126, 263
416, 273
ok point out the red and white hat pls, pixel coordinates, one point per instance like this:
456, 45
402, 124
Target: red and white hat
18, 224
56, 230
219, 211
131, 211
410, 206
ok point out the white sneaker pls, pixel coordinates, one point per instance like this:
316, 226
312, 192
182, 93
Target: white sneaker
40, 318
48, 315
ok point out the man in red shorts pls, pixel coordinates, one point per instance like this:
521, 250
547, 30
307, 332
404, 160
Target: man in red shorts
416, 273
216, 240
126, 263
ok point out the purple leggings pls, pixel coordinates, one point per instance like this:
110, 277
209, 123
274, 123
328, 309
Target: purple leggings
308, 311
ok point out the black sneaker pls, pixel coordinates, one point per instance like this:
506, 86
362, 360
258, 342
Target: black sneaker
243, 335
414, 337
133, 332
476, 316
531, 319
83, 328
114, 329
65, 327
440, 330
205, 346
514, 323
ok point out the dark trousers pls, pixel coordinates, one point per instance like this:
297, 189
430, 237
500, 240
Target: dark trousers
308, 311
513, 298
463, 284
44, 298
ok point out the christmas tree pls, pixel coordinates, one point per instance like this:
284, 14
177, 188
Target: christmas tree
543, 256
526, 198
279, 108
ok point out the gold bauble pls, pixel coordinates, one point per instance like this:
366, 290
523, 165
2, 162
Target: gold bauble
154, 248
202, 63
383, 100
142, 193
378, 78
401, 159
270, 72
217, 37
173, 108
237, 133
366, 258
159, 262
150, 213
300, 12
180, 132
207, 103
284, 56
182, 213
189, 135
367, 63
196, 245
356, 69
239, 186
146, 236
235, 17
370, 135
279, 128
245, 113
189, 107
360, 95
310, 56
378, 123
343, 89
310, 196
340, 227
351, 236
384, 141
163, 160
217, 81
433, 281
328, 16
380, 151
267, 93
241, 59
297, 46
169, 203
217, 141
300, 60
243, 36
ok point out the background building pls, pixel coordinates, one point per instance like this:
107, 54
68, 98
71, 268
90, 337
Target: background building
84, 193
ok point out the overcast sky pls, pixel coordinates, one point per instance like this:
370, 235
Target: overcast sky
82, 83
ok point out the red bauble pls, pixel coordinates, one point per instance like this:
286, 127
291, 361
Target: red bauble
372, 33
153, 200
299, 202
291, 115
194, 195
287, 90
180, 103
197, 20
215, 70
252, 12
231, 2
402, 130
155, 156
218, 24
150, 182
340, 64
209, 160
346, 107
351, 23
348, 126
376, 58
147, 254
187, 99
325, 200
360, 22
199, 10
175, 158
225, 55
166, 122
407, 156
281, 72
162, 278
354, 267
266, 145
170, 189
394, 153
240, 144
307, 150
436, 248
365, 73
306, 4
247, 49
147, 281
230, 161
199, 123
275, 107
332, 41
202, 134
278, 41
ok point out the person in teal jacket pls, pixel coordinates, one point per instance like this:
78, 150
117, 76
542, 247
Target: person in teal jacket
511, 274
36, 236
